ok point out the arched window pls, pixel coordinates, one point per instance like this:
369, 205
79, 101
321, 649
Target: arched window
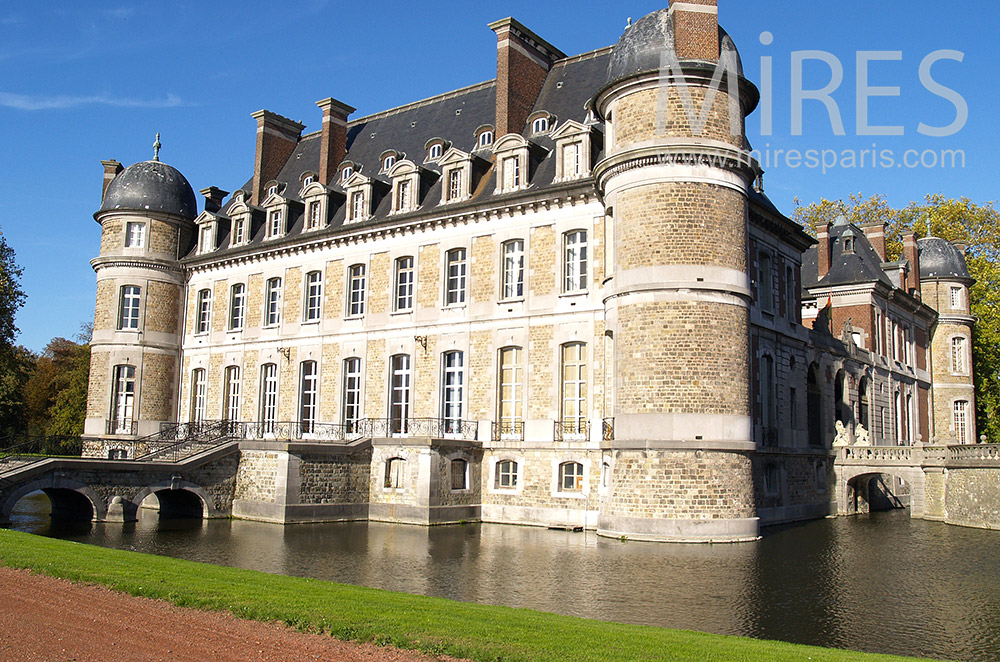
459, 474
403, 284
575, 261
272, 302
435, 151
485, 138
840, 397
506, 474
395, 473
512, 276
814, 406
388, 162
356, 290
570, 477
540, 125
455, 276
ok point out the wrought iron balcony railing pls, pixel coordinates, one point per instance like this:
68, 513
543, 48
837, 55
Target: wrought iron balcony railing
572, 430
508, 430
120, 427
608, 429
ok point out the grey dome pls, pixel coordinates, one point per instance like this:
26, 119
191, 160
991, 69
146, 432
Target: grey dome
151, 186
639, 49
940, 259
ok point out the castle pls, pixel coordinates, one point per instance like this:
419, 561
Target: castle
559, 297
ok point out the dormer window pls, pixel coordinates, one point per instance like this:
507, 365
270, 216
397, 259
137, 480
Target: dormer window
357, 205
272, 190
511, 173
239, 231
455, 184
573, 149
205, 241
274, 223
435, 151
540, 125
512, 157
388, 162
404, 196
848, 244
346, 173
456, 175
406, 177
309, 179
313, 216
484, 136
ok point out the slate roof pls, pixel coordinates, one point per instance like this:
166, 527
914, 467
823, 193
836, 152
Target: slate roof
862, 265
939, 258
150, 186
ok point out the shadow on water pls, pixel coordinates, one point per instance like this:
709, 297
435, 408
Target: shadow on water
881, 582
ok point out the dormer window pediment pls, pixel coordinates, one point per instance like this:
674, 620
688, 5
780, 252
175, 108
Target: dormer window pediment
459, 172
408, 185
360, 198
316, 202
209, 230
276, 213
574, 149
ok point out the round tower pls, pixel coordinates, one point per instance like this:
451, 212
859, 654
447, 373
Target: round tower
146, 226
944, 285
675, 181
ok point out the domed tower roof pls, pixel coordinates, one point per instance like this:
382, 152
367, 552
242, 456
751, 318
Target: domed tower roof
639, 50
151, 186
939, 258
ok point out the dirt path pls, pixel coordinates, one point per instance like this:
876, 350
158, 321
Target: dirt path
48, 620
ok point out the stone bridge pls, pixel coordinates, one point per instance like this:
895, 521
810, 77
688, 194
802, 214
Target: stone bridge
957, 484
105, 490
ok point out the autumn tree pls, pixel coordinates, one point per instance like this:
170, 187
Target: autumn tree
55, 395
15, 362
962, 220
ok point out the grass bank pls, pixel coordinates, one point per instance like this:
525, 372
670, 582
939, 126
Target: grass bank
433, 625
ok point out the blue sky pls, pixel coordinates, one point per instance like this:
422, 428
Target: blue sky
81, 82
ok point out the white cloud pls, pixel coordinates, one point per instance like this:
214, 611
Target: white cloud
59, 102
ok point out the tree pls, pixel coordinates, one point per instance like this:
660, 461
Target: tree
15, 362
977, 226
55, 395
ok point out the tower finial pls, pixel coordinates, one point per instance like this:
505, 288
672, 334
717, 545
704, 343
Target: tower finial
629, 23
156, 147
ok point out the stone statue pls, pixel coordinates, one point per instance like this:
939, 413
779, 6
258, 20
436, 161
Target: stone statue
861, 437
842, 437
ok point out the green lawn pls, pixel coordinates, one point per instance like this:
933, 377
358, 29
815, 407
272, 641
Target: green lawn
433, 625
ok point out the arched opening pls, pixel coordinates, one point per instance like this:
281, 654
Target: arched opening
814, 406
864, 403
177, 504
841, 408
875, 492
43, 510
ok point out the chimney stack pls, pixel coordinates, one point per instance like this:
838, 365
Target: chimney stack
276, 140
111, 170
911, 255
333, 145
696, 29
213, 198
823, 250
875, 233
523, 62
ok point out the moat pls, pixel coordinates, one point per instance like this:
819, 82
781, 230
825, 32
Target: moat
880, 582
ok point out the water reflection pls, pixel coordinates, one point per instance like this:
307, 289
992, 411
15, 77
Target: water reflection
882, 583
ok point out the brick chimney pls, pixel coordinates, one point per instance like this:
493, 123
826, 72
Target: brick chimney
111, 170
523, 62
276, 140
696, 29
823, 250
213, 198
333, 143
910, 254
875, 234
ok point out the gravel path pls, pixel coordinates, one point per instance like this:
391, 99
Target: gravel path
45, 619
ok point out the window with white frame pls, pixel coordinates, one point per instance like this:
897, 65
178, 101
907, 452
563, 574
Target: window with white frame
346, 173
485, 138
395, 473
506, 475
571, 160
314, 296
358, 206
206, 244
272, 190
404, 195
435, 151
272, 302
307, 180
198, 399
231, 404
455, 268
956, 298
388, 162
314, 216
135, 235
351, 413
128, 308
204, 311
959, 355
960, 420
455, 189
274, 223
575, 261
399, 394
268, 397
570, 477
540, 125
123, 399
574, 388
237, 306
512, 276
511, 166
239, 231
308, 393
509, 397
459, 474
452, 385
403, 299
356, 290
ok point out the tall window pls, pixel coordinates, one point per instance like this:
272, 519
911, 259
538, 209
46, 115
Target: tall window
765, 297
571, 160
455, 284
791, 298
451, 393
123, 402
203, 324
399, 393
959, 362
231, 406
570, 477
956, 297
314, 296
274, 223
459, 474
510, 391
767, 399
239, 231
455, 184
506, 474
511, 172
198, 388
135, 235
395, 473
575, 263
352, 393
404, 283
403, 195
308, 391
960, 419
237, 305
314, 215
574, 388
128, 311
357, 205
272, 302
512, 286
356, 290
268, 397
864, 402
206, 238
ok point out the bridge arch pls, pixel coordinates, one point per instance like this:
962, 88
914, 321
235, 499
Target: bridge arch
180, 498
858, 486
69, 498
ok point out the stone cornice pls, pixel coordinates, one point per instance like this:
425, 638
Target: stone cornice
135, 263
672, 151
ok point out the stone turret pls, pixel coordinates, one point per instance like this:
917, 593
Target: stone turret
146, 226
678, 299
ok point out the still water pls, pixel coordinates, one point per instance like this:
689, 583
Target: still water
881, 583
